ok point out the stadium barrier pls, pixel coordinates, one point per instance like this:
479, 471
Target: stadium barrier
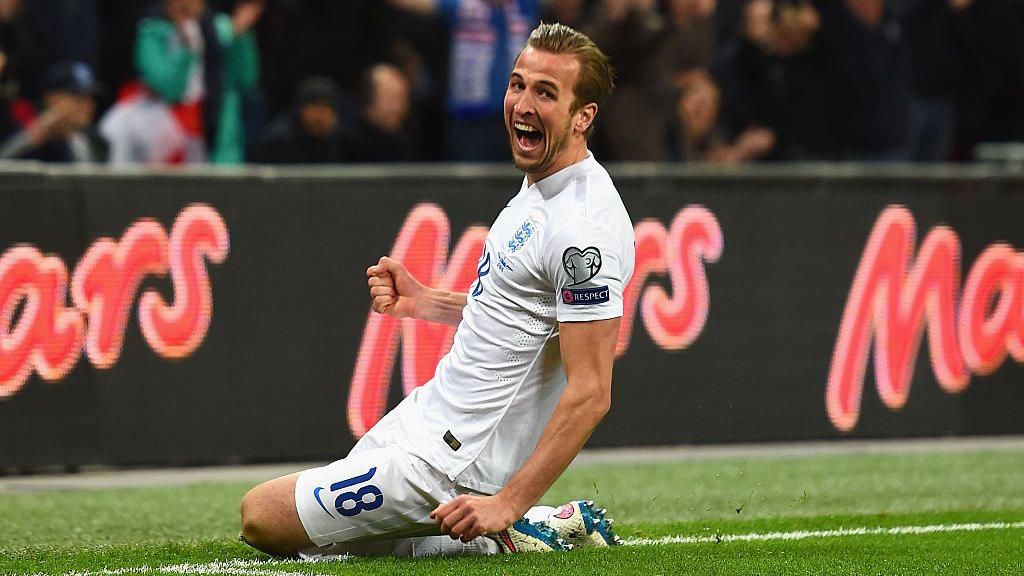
222, 316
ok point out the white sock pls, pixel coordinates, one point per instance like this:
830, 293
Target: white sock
444, 546
403, 548
420, 547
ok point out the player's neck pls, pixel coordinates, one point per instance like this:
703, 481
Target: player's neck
571, 155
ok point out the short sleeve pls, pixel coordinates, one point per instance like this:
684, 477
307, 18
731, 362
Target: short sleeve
588, 271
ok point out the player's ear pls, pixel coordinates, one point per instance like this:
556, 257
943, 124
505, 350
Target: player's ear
585, 117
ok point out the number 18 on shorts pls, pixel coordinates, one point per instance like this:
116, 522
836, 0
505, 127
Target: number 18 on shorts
381, 491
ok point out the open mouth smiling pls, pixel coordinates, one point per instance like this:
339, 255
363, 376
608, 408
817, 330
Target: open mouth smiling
528, 137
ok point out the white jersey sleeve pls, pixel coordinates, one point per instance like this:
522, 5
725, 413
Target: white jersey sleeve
589, 270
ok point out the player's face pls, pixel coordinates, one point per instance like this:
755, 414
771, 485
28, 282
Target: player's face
537, 110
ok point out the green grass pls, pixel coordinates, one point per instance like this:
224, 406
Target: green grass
58, 532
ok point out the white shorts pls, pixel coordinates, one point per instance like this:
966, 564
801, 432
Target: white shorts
375, 493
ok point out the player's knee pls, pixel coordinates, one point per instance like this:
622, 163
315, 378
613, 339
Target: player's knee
254, 530
261, 526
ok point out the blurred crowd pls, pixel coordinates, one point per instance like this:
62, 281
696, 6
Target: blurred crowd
336, 81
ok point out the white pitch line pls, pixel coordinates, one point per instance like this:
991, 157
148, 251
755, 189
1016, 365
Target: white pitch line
235, 567
240, 567
837, 533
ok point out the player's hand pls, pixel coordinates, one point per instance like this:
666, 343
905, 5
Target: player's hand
468, 517
393, 291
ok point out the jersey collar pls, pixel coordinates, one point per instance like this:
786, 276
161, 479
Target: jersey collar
549, 187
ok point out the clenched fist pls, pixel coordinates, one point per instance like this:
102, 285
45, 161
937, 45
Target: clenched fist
393, 291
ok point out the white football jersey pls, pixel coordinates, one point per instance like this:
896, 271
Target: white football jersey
561, 251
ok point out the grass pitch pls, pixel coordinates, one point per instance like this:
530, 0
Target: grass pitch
920, 512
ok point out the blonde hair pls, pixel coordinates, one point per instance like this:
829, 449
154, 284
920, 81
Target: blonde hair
596, 78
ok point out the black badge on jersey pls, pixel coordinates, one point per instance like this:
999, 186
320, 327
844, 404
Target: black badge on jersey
581, 265
452, 441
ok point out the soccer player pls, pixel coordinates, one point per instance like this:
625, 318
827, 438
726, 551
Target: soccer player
529, 373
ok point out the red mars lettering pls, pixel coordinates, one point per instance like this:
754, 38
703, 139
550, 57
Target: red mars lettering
176, 330
673, 321
896, 297
992, 313
106, 281
48, 337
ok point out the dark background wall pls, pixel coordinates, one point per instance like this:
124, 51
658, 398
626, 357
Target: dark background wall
270, 378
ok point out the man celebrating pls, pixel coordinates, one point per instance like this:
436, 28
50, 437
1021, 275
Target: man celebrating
528, 376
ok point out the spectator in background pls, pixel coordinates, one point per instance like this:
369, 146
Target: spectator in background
426, 108
381, 133
20, 77
698, 107
336, 39
934, 30
8, 94
9, 87
311, 133
689, 38
748, 73
70, 30
572, 13
198, 63
655, 46
728, 16
486, 37
991, 88
772, 82
63, 132
119, 22
807, 118
702, 138
629, 31
866, 51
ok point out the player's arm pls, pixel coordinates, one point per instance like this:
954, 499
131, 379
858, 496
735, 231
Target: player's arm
395, 292
588, 351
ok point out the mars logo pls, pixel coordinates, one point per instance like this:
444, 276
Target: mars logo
47, 337
673, 319
895, 297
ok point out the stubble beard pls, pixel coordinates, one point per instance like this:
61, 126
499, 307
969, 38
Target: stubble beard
554, 145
